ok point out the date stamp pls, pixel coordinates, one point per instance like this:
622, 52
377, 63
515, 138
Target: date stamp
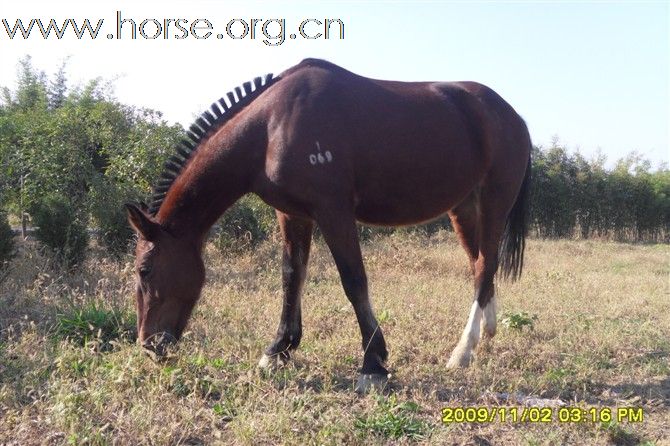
512, 414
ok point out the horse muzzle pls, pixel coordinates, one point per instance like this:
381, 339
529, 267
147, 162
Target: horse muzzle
158, 344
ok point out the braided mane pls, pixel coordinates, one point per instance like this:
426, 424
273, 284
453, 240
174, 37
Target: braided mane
209, 121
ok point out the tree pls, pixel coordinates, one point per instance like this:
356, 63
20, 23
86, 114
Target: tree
57, 92
78, 143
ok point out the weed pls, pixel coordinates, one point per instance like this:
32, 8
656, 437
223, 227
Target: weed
618, 435
384, 316
218, 363
224, 410
559, 376
516, 321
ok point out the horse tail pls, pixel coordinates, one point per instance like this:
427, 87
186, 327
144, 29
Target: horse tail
513, 241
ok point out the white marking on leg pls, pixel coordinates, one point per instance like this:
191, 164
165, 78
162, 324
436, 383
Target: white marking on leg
462, 354
489, 318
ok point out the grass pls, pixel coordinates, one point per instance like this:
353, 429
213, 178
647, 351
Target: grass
394, 420
92, 323
600, 337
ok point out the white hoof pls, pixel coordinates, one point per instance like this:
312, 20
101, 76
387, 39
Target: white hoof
272, 362
367, 383
459, 359
488, 332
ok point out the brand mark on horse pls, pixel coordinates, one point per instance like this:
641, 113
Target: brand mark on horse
320, 158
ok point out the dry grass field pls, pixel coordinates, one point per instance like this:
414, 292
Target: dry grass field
588, 324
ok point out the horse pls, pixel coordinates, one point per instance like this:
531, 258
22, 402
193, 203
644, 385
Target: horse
324, 146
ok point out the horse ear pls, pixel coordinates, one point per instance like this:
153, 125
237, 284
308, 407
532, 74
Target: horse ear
142, 223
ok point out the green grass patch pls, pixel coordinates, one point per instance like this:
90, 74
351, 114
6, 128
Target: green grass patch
394, 420
92, 323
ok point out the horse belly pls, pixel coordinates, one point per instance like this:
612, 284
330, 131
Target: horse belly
412, 193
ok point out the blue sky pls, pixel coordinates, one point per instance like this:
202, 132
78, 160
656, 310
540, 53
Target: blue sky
594, 74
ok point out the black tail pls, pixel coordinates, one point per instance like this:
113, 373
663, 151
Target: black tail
513, 242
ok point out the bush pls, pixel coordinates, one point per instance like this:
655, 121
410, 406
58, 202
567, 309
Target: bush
265, 215
115, 233
6, 241
366, 233
61, 229
244, 225
109, 214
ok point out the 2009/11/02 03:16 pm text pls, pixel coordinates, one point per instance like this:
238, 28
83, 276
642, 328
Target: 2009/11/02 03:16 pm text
486, 414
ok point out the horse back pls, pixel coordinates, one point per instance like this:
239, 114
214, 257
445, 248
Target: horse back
401, 152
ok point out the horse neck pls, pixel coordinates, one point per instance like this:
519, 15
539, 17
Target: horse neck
220, 172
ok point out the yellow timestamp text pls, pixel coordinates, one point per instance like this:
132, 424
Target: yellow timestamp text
512, 414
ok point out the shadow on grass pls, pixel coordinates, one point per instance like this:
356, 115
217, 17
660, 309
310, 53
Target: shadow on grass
656, 393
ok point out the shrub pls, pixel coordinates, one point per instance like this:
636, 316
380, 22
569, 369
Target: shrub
115, 233
430, 228
6, 241
244, 225
366, 233
61, 229
265, 215
107, 210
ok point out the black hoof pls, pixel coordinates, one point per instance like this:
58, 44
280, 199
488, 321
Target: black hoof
369, 382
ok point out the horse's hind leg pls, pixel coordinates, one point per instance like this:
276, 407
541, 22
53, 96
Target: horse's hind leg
297, 237
465, 219
479, 228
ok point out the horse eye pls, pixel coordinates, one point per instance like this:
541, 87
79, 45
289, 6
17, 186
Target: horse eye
144, 271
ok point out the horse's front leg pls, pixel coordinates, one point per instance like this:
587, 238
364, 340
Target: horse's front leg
341, 234
297, 237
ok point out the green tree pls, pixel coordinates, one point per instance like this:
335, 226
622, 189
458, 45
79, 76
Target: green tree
79, 143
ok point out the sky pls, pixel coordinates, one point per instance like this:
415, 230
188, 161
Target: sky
593, 74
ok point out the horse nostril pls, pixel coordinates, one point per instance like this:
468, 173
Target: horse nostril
148, 346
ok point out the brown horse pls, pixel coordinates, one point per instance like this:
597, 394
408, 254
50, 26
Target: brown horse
325, 146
